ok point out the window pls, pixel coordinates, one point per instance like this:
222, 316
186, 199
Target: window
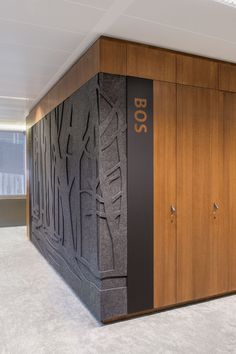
12, 163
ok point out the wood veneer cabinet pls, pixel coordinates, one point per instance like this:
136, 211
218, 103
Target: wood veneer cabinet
201, 241
195, 243
165, 158
229, 112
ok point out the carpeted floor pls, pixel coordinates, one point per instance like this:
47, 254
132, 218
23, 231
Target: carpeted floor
40, 314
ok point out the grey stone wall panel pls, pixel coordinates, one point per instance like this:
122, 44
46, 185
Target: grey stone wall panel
78, 193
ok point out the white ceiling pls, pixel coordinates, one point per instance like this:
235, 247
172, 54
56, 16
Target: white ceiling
41, 39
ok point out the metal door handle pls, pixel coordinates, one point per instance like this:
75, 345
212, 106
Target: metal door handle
172, 209
216, 206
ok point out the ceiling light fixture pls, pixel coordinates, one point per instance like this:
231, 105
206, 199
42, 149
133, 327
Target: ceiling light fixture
12, 126
231, 3
15, 98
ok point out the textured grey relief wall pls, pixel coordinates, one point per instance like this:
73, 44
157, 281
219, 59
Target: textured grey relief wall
79, 193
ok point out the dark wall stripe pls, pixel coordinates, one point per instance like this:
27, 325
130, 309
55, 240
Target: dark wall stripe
140, 194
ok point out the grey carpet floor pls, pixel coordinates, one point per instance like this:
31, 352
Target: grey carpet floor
40, 314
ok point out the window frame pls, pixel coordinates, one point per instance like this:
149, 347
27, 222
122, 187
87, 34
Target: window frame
16, 196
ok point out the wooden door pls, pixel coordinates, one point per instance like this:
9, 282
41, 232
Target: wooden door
200, 241
229, 113
164, 194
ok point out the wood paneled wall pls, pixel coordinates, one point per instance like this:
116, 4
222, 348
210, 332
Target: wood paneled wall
197, 72
120, 57
165, 177
126, 58
227, 77
151, 63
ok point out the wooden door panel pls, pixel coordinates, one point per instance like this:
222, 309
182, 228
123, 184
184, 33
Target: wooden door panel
199, 181
221, 239
229, 113
164, 194
220, 244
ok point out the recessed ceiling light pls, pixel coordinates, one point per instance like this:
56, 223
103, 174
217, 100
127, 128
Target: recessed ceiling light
227, 2
15, 98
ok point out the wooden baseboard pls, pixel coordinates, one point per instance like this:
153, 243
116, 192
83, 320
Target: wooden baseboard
166, 308
194, 302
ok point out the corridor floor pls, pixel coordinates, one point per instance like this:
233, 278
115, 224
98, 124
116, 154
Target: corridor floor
40, 314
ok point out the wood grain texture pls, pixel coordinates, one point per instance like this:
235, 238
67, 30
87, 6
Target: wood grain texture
200, 241
227, 80
220, 246
197, 71
229, 112
164, 194
112, 56
152, 63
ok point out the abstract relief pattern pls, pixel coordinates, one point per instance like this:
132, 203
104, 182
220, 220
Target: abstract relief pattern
78, 192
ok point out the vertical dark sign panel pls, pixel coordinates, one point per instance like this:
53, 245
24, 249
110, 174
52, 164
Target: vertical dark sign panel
140, 194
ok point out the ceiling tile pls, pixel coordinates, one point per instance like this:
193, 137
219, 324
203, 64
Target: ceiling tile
23, 89
24, 70
51, 13
16, 54
172, 38
100, 4
202, 16
18, 33
14, 109
26, 88
18, 92
10, 115
38, 37
14, 104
